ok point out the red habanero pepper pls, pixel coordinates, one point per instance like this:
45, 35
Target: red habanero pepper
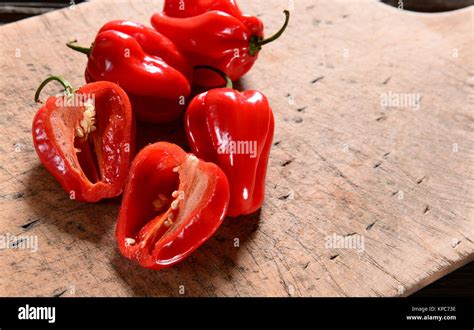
234, 130
216, 38
146, 64
173, 202
190, 8
85, 139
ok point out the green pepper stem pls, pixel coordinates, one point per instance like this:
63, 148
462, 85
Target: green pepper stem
278, 34
67, 86
228, 81
256, 42
77, 48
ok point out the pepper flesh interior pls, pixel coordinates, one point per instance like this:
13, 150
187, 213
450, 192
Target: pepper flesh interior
64, 121
174, 209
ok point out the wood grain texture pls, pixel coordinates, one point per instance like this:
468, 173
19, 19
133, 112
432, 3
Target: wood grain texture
340, 164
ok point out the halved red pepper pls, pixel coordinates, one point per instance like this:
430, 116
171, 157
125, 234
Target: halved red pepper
226, 40
85, 139
146, 64
235, 131
173, 202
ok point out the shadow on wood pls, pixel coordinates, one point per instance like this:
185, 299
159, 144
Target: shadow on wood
52, 205
215, 261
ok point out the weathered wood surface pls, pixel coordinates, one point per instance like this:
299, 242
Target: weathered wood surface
342, 163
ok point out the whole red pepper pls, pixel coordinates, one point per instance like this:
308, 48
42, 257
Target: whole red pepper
235, 131
146, 64
85, 139
173, 202
214, 38
190, 8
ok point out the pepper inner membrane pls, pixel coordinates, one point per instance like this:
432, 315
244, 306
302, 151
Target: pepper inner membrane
87, 157
79, 148
86, 142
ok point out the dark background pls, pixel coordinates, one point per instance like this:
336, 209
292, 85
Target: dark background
458, 283
14, 10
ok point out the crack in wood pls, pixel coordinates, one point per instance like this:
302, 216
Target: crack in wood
60, 293
286, 196
350, 234
30, 224
314, 81
317, 259
376, 264
427, 209
420, 181
385, 82
371, 225
337, 171
298, 120
381, 118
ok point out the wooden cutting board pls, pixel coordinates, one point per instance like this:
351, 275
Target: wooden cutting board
350, 160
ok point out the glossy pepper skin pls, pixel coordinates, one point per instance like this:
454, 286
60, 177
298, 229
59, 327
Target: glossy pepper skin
146, 64
88, 153
190, 8
173, 202
235, 131
215, 38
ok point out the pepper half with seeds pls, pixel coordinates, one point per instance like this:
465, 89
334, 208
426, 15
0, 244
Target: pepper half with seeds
172, 203
86, 138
